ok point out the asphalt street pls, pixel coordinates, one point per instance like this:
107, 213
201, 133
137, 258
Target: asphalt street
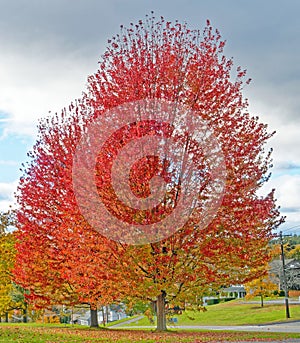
292, 326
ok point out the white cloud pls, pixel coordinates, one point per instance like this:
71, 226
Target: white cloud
9, 163
7, 194
285, 121
286, 145
34, 84
287, 193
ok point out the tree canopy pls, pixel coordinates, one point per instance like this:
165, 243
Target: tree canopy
61, 254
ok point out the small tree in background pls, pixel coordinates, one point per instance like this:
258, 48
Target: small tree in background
261, 287
11, 294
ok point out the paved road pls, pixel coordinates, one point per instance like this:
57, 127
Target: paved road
280, 327
136, 319
293, 326
290, 327
294, 301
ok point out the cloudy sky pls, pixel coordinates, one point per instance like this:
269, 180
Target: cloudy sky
48, 48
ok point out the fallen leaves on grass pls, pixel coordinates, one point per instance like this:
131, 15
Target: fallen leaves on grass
29, 334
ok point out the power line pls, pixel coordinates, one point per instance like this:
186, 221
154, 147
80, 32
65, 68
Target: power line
292, 228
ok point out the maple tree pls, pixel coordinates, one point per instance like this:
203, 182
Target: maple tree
154, 60
60, 259
11, 297
161, 60
6, 265
263, 286
7, 247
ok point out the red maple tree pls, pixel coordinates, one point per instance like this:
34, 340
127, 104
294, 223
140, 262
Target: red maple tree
150, 60
60, 259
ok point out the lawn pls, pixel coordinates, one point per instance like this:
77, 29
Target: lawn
233, 313
230, 313
16, 333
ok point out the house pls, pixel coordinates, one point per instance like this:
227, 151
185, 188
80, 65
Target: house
110, 315
234, 291
292, 271
293, 274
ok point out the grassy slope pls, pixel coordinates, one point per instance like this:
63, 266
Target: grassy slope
222, 314
234, 313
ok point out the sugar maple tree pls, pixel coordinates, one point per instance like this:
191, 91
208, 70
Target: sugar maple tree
151, 60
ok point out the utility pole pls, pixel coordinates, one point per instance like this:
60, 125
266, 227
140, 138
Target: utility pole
286, 298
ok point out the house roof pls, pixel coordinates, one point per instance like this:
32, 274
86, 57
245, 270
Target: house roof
289, 263
234, 289
293, 264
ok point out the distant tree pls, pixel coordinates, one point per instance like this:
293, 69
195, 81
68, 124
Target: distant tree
262, 287
11, 295
294, 253
6, 263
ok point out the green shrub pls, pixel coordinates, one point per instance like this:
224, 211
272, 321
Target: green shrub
212, 301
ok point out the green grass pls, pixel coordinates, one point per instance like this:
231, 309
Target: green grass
233, 313
15, 333
230, 313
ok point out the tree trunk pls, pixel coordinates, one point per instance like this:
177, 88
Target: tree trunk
161, 312
107, 317
94, 318
261, 296
25, 314
6, 317
262, 301
103, 316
